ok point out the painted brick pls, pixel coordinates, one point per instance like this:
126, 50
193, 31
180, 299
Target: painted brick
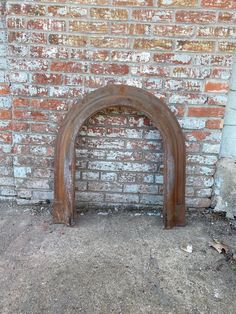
191, 123
173, 58
195, 46
227, 17
81, 27
131, 56
133, 2
211, 148
111, 69
193, 17
193, 72
151, 199
218, 4
153, 15
118, 166
67, 40
179, 3
213, 60
203, 170
201, 181
58, 51
157, 44
109, 176
109, 14
122, 198
131, 29
227, 47
172, 31
204, 193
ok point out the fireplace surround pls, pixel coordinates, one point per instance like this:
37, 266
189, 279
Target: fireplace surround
64, 210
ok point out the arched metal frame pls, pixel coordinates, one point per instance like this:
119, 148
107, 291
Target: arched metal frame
163, 119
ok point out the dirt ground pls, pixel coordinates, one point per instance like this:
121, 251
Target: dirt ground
113, 263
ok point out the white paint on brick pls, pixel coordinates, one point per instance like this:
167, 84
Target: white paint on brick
228, 145
5, 148
202, 159
109, 176
119, 166
22, 172
192, 123
211, 148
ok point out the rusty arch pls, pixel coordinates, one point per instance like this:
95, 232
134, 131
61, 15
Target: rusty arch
64, 210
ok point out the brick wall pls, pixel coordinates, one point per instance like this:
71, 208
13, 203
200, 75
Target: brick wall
179, 50
7, 185
120, 161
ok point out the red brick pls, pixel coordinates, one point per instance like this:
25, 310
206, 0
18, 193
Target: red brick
88, 27
5, 114
16, 22
97, 55
214, 124
133, 2
113, 69
223, 4
206, 112
94, 82
67, 11
227, 17
26, 114
198, 135
150, 70
21, 126
27, 38
130, 29
153, 15
57, 25
68, 66
216, 86
49, 52
6, 137
193, 17
57, 10
4, 89
41, 78
173, 30
67, 40
227, 46
61, 50
157, 44
26, 9
38, 24
130, 56
195, 46
49, 104
109, 42
109, 14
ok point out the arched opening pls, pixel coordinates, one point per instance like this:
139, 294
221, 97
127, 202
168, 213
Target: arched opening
64, 210
119, 163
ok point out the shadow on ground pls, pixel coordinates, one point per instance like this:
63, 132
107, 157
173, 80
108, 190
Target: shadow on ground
118, 263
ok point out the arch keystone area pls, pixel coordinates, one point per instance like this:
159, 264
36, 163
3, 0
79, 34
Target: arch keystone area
163, 119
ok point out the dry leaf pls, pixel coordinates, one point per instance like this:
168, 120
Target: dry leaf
219, 247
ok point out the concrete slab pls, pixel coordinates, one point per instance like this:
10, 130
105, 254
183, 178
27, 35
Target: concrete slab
113, 263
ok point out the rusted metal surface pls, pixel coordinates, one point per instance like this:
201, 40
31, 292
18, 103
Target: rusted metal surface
64, 210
